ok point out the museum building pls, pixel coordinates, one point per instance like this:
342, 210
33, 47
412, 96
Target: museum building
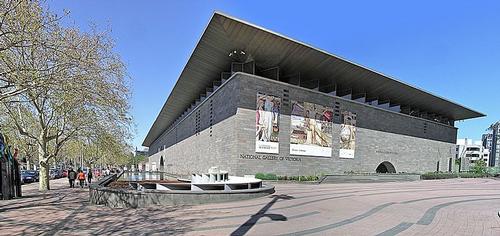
250, 100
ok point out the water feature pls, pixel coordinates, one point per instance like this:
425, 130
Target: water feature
140, 176
146, 189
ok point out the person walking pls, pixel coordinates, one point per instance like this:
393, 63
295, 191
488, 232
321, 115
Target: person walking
89, 176
71, 177
81, 178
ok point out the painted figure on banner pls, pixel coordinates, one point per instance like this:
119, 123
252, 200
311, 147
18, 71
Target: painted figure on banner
347, 135
267, 123
311, 129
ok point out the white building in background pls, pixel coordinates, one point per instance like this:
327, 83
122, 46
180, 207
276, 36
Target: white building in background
141, 165
470, 151
150, 165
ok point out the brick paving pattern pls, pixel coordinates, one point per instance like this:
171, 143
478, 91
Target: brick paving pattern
440, 207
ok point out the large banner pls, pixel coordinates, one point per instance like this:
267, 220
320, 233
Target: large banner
347, 135
311, 129
267, 123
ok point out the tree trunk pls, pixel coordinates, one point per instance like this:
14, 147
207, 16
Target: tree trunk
44, 176
44, 168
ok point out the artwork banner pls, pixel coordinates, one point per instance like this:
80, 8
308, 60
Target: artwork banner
347, 135
311, 129
267, 120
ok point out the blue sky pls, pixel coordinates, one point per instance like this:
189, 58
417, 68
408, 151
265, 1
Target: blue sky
449, 48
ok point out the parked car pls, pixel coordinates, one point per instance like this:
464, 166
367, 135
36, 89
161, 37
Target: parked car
60, 173
36, 174
53, 174
28, 176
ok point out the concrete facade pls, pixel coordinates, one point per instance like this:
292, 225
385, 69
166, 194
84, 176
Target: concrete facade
220, 131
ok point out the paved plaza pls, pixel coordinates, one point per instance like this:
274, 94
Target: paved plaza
440, 207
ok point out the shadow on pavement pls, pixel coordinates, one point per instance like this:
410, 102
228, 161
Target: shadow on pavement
67, 211
245, 227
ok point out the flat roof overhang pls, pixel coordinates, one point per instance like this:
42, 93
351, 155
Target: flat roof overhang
224, 34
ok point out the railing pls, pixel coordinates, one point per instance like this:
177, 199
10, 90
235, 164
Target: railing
107, 179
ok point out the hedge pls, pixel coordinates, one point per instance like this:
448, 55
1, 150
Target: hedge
269, 176
264, 176
440, 175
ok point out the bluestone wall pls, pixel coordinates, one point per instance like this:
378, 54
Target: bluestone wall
411, 144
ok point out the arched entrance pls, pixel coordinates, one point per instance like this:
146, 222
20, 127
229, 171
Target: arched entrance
162, 164
385, 167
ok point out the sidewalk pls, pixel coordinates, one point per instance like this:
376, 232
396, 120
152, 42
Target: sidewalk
434, 207
65, 211
38, 212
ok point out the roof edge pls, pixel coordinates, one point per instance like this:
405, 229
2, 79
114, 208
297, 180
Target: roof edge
346, 60
177, 82
148, 140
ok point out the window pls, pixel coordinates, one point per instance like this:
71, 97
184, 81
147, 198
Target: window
471, 155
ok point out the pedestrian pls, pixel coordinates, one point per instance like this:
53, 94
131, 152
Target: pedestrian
71, 177
81, 177
89, 176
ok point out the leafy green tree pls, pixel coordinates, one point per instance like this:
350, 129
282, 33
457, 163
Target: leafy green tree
479, 167
60, 84
24, 28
